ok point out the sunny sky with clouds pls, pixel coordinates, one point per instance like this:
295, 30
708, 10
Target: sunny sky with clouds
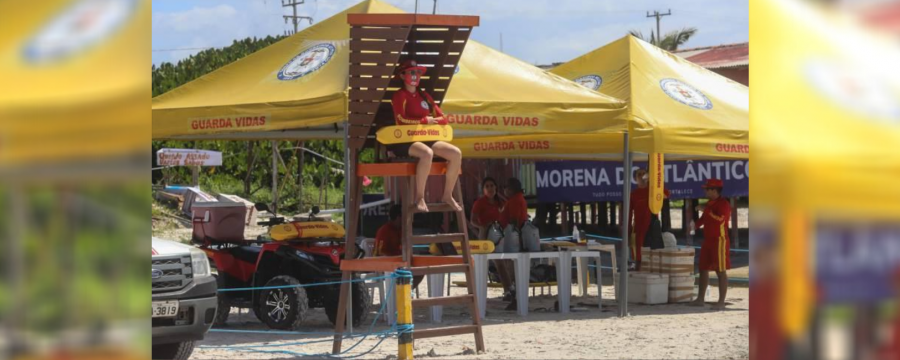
536, 31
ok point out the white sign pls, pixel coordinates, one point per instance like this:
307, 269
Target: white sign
188, 157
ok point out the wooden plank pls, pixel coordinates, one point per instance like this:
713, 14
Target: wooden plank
357, 57
446, 331
373, 70
411, 19
366, 107
439, 269
436, 239
382, 264
430, 58
360, 131
370, 83
456, 47
444, 34
361, 119
356, 143
369, 95
383, 46
392, 33
444, 301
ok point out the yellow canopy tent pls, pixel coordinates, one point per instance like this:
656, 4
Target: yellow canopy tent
826, 123
297, 88
675, 106
73, 87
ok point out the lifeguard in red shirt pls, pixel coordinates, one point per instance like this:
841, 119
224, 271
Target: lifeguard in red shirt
415, 107
715, 253
640, 215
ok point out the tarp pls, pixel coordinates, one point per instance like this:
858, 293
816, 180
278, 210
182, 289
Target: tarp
301, 82
675, 106
74, 80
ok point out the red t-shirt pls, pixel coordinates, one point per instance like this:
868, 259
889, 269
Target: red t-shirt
714, 220
515, 211
413, 108
486, 211
388, 241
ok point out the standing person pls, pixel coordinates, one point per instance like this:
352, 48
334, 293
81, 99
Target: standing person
486, 209
639, 216
514, 212
389, 238
715, 253
414, 107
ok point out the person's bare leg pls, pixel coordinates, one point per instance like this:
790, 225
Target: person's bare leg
501, 273
701, 294
425, 155
454, 161
723, 290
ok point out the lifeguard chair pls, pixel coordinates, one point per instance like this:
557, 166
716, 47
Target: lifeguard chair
379, 42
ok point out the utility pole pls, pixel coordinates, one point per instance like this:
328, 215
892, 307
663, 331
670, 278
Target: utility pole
434, 9
658, 15
296, 19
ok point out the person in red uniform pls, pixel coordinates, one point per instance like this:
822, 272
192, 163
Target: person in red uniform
486, 209
388, 239
639, 215
515, 213
516, 209
715, 251
414, 107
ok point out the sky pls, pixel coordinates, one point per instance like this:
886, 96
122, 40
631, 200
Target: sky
535, 31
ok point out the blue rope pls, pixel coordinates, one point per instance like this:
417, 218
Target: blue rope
304, 285
383, 334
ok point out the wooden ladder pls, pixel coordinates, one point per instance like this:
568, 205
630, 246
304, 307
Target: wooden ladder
421, 265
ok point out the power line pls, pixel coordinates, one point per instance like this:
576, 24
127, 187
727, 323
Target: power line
295, 18
658, 15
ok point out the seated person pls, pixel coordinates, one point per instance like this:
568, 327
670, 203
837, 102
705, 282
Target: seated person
514, 212
388, 239
486, 209
414, 107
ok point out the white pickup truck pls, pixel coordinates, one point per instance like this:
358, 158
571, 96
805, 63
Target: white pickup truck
184, 298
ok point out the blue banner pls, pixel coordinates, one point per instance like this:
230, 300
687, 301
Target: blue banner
857, 262
591, 181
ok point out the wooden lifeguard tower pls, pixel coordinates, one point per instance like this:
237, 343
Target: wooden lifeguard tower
378, 43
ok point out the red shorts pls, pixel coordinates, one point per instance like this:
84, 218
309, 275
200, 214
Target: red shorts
715, 255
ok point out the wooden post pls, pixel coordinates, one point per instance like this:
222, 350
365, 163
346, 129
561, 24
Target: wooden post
404, 314
582, 208
603, 214
688, 217
564, 214
195, 176
274, 177
594, 213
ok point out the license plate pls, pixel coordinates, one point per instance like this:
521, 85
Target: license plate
164, 308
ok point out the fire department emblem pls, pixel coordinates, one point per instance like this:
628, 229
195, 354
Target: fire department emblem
685, 94
592, 82
424, 104
398, 133
308, 61
80, 27
858, 90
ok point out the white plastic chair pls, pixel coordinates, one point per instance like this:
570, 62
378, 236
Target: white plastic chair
368, 246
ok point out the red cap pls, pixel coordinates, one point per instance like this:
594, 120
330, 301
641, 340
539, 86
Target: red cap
713, 183
409, 64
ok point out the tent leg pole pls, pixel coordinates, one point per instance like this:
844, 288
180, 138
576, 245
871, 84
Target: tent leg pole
623, 256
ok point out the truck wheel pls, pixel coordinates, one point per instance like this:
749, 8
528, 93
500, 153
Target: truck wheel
176, 351
223, 309
285, 308
361, 303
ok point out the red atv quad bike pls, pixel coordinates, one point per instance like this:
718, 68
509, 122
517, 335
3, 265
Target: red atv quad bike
293, 253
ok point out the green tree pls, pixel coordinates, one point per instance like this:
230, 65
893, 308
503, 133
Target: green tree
671, 41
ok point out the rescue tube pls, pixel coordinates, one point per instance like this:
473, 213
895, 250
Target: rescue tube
403, 134
306, 230
475, 246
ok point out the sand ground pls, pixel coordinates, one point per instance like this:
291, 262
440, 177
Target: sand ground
671, 331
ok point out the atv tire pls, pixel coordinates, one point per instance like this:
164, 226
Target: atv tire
285, 308
361, 303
